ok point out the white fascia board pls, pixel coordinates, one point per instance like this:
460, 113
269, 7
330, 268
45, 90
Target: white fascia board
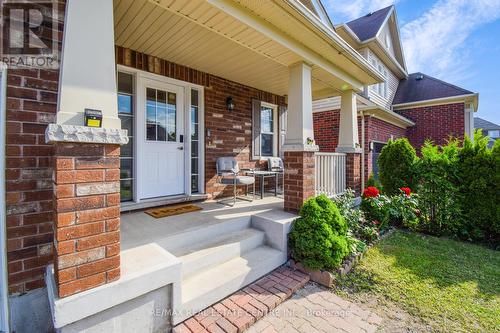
386, 114
322, 12
438, 101
331, 35
267, 29
391, 57
385, 22
401, 46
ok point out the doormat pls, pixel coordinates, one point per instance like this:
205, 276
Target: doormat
172, 210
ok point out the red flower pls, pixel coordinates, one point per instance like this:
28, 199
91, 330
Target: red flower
371, 192
406, 190
376, 222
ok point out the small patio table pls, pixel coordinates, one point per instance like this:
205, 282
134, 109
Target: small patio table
262, 175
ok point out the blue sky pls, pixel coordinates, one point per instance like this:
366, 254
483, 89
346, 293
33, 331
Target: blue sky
457, 41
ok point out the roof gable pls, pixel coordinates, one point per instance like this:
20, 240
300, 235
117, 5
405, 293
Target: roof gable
485, 124
374, 28
420, 87
368, 26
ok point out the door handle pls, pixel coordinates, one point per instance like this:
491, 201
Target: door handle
180, 148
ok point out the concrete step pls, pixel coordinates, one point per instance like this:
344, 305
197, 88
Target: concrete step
212, 285
203, 232
217, 250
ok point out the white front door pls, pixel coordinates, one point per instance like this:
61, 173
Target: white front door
160, 139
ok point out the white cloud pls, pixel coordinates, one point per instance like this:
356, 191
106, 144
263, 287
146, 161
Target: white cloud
346, 10
437, 42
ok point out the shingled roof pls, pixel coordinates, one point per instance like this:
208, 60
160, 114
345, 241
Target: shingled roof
485, 124
368, 26
420, 87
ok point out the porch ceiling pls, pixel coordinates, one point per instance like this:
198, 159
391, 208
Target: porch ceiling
200, 35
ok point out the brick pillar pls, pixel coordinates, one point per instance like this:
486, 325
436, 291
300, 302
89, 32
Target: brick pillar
353, 172
87, 216
299, 179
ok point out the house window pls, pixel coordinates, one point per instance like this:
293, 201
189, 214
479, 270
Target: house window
380, 89
494, 134
265, 130
126, 114
195, 140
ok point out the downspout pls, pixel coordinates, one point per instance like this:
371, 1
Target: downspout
4, 295
362, 150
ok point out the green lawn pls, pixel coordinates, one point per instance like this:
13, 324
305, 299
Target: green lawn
452, 286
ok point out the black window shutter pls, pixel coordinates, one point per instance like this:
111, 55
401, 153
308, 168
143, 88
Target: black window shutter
256, 127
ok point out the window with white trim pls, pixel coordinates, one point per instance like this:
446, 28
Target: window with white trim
380, 89
265, 130
494, 134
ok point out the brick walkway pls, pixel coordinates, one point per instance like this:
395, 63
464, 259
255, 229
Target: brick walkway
263, 307
317, 309
241, 310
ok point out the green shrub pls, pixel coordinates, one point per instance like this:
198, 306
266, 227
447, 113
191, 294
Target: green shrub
318, 238
396, 210
376, 210
374, 182
358, 226
403, 210
479, 186
438, 191
396, 165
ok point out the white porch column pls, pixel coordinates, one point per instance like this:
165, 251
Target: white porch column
299, 116
469, 120
348, 128
87, 73
299, 154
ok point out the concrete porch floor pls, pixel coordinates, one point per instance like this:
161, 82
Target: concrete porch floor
138, 228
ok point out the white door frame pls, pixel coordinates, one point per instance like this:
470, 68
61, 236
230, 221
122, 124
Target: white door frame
4, 302
138, 75
168, 146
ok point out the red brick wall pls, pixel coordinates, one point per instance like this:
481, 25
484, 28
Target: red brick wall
437, 123
326, 133
378, 130
326, 130
31, 105
231, 132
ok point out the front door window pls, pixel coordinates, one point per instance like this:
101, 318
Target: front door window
161, 111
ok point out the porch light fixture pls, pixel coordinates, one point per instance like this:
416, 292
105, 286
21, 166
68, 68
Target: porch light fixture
230, 103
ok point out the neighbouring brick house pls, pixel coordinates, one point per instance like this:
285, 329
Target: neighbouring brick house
415, 106
160, 74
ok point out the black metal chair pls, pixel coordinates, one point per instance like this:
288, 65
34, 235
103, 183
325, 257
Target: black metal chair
228, 174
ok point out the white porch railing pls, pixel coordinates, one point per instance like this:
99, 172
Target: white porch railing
330, 174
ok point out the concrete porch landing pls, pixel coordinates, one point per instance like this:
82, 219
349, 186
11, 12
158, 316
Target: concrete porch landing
220, 249
138, 228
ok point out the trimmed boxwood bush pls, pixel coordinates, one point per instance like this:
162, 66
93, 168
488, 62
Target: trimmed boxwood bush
396, 166
318, 238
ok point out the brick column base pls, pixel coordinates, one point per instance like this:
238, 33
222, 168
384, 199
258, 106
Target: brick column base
87, 216
299, 179
353, 172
